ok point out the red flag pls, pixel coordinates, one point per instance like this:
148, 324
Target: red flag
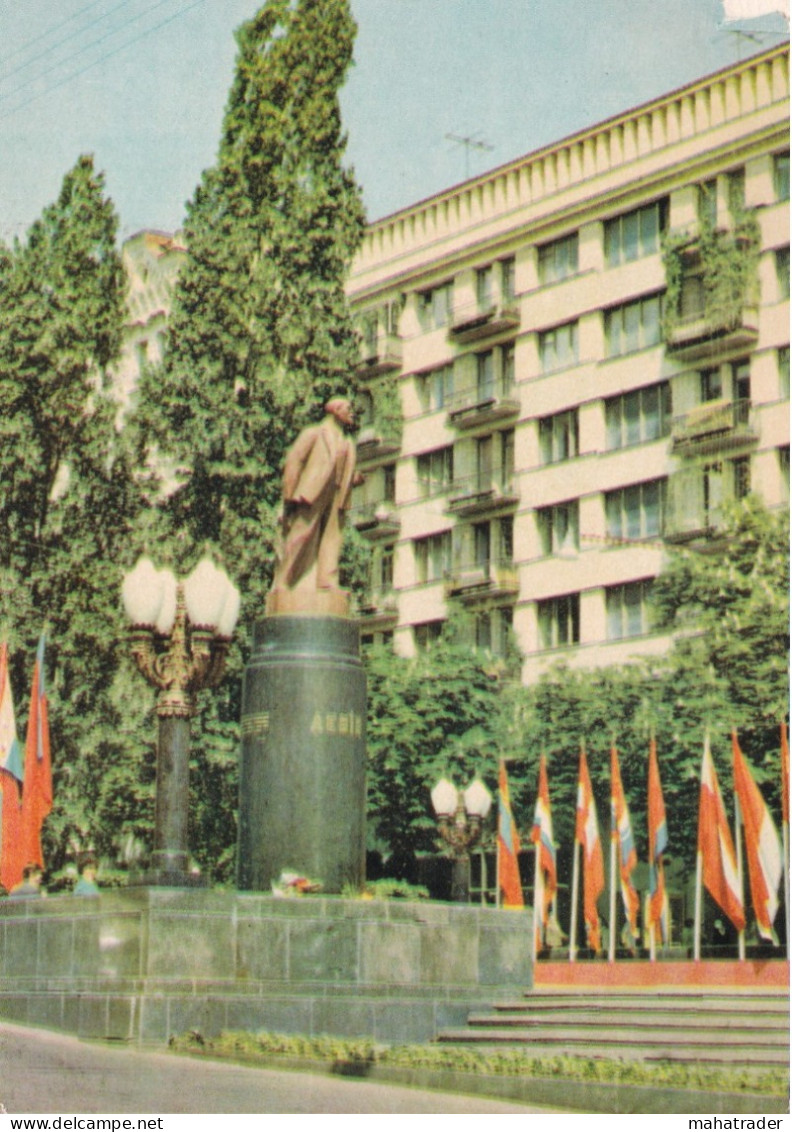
718, 859
508, 847
37, 789
762, 845
621, 833
542, 837
784, 774
587, 835
658, 840
12, 849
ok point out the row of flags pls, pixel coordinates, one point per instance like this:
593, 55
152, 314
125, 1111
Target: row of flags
25, 777
719, 860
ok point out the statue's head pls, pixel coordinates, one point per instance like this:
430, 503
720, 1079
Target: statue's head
341, 409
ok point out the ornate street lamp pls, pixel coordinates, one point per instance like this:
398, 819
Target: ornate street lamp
180, 635
460, 815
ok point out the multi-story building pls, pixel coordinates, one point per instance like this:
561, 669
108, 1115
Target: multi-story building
571, 363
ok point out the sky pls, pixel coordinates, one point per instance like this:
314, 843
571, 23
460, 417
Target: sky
142, 85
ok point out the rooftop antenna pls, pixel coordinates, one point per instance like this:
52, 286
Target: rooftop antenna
755, 35
469, 142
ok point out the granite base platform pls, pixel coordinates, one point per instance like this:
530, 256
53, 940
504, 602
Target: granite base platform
142, 964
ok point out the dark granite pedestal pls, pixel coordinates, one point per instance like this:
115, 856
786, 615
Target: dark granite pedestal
142, 964
302, 793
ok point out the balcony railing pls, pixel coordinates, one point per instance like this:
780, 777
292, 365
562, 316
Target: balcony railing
483, 402
481, 320
708, 336
495, 578
373, 445
375, 520
379, 606
476, 494
380, 353
713, 426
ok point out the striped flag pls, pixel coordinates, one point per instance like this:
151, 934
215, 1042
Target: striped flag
508, 847
715, 844
12, 851
621, 833
37, 791
587, 835
762, 845
658, 841
542, 837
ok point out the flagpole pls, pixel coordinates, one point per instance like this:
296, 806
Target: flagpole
785, 838
497, 871
573, 914
738, 851
612, 907
697, 912
538, 903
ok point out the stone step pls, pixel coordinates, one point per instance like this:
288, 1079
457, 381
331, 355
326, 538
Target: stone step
631, 1030
506, 1015
740, 999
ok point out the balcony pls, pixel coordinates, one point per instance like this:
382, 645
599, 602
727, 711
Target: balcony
483, 579
379, 609
714, 426
377, 520
705, 336
373, 447
483, 403
476, 495
380, 353
483, 320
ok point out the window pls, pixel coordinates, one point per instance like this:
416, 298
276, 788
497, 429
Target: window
634, 326
635, 512
558, 260
485, 375
782, 272
708, 202
627, 610
558, 528
781, 176
505, 534
741, 470
507, 369
426, 634
559, 621
638, 417
741, 380
558, 437
635, 234
385, 568
559, 347
507, 279
493, 629
711, 384
484, 287
783, 467
783, 373
389, 483
435, 471
432, 557
437, 388
735, 185
434, 306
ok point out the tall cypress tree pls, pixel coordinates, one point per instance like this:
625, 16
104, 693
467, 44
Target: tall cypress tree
67, 504
260, 334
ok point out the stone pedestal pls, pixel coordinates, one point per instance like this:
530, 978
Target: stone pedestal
302, 795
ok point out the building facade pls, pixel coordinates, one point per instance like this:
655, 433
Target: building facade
569, 365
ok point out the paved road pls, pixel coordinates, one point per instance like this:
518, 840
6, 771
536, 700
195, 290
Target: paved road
53, 1073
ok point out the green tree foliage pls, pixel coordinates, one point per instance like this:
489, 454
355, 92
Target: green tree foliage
67, 503
432, 716
259, 338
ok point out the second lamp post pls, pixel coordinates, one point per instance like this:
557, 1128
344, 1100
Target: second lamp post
460, 816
